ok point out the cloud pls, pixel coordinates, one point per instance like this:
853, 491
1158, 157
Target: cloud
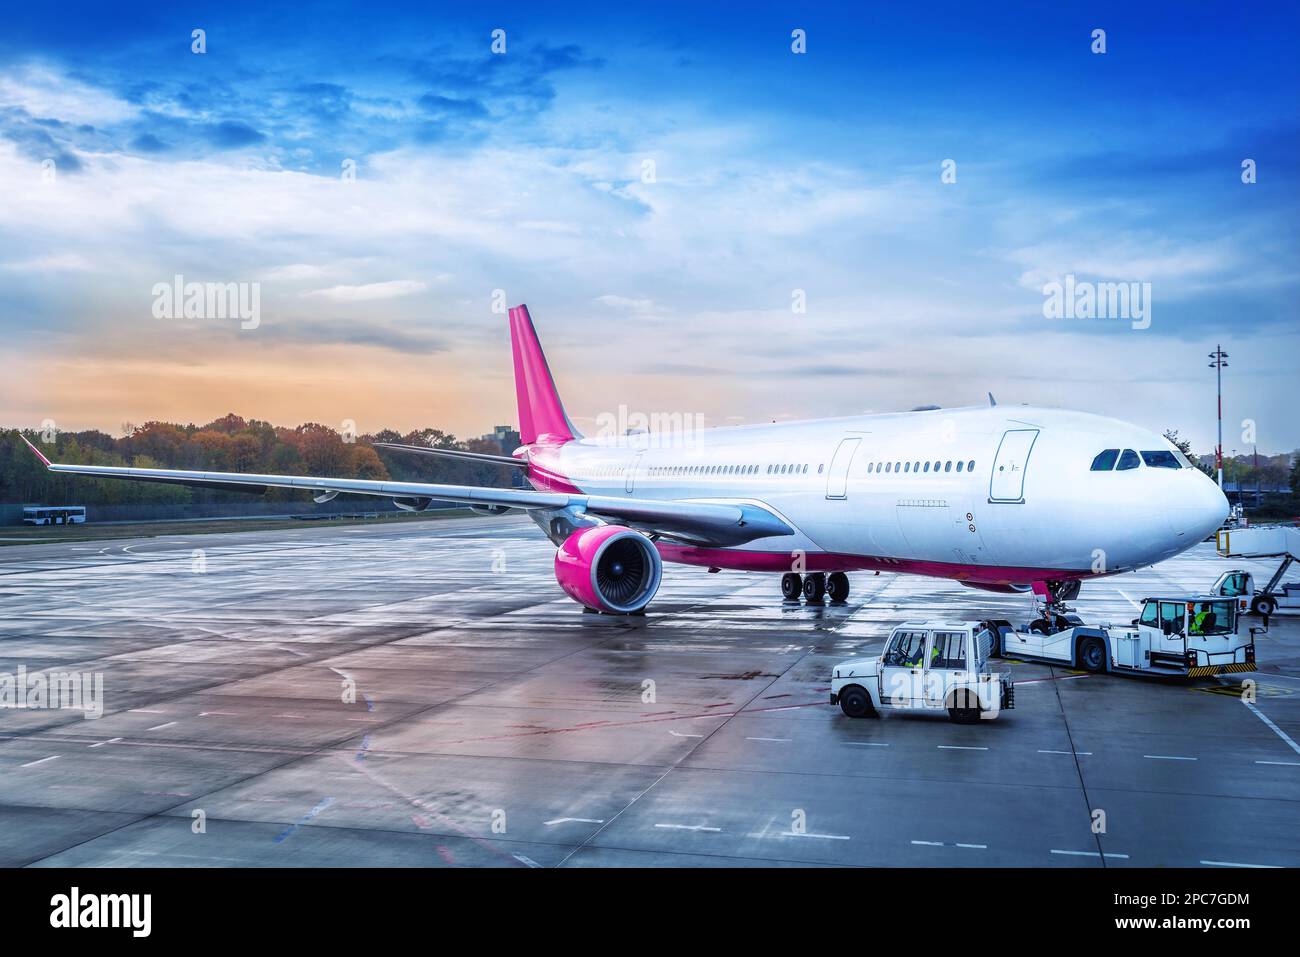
44, 92
370, 291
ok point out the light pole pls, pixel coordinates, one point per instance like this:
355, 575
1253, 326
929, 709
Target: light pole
1218, 360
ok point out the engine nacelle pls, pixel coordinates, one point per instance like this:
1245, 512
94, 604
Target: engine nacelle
609, 568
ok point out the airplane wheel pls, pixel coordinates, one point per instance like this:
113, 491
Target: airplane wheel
814, 588
1263, 607
791, 586
837, 586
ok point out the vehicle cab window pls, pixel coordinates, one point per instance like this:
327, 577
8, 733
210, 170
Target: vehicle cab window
1150, 614
1235, 585
1171, 617
906, 649
1211, 618
949, 650
1128, 459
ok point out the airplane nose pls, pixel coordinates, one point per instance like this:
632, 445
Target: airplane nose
1199, 510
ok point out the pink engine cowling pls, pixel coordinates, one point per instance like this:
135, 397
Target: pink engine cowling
609, 568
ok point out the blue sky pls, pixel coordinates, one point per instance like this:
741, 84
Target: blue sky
773, 172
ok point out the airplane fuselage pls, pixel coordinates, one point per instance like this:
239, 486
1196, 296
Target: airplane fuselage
999, 495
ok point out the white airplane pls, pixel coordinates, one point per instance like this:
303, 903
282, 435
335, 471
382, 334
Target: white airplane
1008, 499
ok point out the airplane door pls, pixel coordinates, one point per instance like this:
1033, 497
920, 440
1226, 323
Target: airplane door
1008, 481
629, 477
837, 479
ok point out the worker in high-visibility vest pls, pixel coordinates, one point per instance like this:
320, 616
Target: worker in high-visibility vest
1198, 620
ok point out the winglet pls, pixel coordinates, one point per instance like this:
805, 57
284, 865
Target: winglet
992, 401
35, 449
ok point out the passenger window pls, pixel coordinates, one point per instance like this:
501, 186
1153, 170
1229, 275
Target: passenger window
1128, 459
959, 465
949, 650
970, 466
1105, 461
927, 466
947, 466
907, 466
1160, 459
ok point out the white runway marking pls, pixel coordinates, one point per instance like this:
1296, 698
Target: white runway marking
1280, 733
773, 740
102, 743
976, 847
526, 860
32, 764
1235, 864
145, 711
159, 727
689, 827
1090, 854
1290, 764
1167, 757
1130, 601
959, 747
574, 820
680, 734
824, 837
867, 744
1080, 753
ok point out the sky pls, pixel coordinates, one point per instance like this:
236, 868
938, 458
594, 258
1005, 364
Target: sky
702, 221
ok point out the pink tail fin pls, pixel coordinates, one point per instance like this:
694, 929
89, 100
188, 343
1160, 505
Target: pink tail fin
541, 415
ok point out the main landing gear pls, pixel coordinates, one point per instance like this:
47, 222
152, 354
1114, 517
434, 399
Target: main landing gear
815, 587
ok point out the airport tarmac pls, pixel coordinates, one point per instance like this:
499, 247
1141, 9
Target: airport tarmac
493, 723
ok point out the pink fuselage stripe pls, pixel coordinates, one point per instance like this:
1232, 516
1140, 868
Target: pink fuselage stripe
737, 559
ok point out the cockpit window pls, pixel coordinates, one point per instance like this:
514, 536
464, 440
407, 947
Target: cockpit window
1128, 459
1160, 459
1105, 461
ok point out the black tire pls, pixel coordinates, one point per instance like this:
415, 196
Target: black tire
814, 588
1263, 606
1092, 655
837, 586
995, 649
856, 703
791, 586
964, 707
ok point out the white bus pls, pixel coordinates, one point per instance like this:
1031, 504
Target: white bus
54, 514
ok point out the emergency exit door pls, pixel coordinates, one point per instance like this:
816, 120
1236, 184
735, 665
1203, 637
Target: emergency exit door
1008, 481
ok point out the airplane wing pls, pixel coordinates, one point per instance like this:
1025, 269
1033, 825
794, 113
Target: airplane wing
719, 524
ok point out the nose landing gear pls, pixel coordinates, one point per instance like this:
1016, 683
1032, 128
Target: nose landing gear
1052, 612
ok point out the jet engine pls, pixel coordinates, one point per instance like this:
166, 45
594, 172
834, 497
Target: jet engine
609, 568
